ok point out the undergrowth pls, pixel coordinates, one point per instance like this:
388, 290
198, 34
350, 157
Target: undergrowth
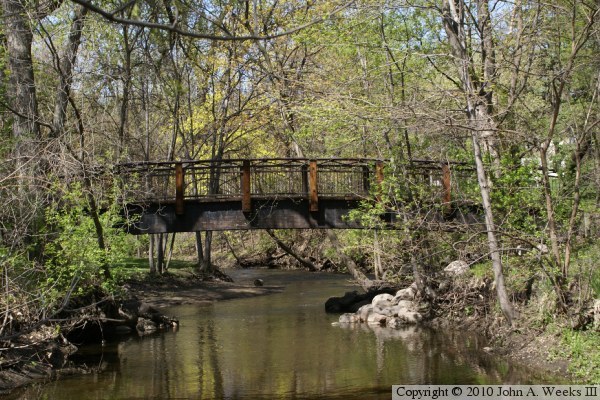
582, 349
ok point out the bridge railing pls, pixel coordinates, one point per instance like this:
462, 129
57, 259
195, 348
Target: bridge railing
245, 179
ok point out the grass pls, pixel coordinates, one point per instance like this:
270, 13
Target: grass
482, 270
583, 349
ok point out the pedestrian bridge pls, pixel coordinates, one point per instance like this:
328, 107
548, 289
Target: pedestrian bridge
276, 193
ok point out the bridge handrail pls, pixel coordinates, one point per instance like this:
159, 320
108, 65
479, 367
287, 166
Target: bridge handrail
244, 179
237, 161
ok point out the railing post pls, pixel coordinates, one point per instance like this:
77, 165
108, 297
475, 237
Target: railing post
313, 196
379, 178
179, 185
447, 187
246, 195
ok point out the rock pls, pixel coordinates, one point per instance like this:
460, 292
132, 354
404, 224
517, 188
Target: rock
356, 306
457, 268
405, 294
364, 312
409, 317
405, 305
351, 301
381, 298
258, 282
394, 322
376, 319
341, 304
349, 318
404, 317
145, 326
387, 310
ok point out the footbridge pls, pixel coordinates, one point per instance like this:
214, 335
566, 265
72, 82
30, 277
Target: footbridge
276, 193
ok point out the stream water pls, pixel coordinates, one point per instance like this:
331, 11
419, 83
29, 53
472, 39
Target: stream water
278, 346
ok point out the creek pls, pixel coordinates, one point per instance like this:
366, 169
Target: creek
282, 345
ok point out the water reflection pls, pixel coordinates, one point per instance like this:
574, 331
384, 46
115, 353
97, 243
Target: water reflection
279, 346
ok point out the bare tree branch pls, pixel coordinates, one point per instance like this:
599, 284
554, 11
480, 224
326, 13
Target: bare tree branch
111, 16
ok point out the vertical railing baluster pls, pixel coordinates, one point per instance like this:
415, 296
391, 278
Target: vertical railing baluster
312, 186
366, 184
304, 172
447, 187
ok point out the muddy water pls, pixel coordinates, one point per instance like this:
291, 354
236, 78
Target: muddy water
278, 346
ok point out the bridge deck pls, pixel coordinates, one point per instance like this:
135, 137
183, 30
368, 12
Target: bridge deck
187, 196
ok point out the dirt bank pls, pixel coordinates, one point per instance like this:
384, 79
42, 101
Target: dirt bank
175, 290
469, 304
43, 354
523, 346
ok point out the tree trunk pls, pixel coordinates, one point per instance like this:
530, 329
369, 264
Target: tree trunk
151, 254
126, 79
549, 205
206, 261
377, 256
349, 263
65, 70
170, 252
199, 250
104, 267
305, 263
453, 17
160, 253
505, 304
21, 84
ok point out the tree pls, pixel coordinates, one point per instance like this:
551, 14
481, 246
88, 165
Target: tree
478, 103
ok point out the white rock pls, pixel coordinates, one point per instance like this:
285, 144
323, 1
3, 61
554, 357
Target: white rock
409, 317
364, 312
405, 305
394, 322
387, 310
376, 319
382, 298
405, 294
457, 268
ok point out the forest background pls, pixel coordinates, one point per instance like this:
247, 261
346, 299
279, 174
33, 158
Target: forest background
509, 87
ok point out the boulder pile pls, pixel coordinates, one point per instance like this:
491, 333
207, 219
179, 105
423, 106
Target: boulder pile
388, 310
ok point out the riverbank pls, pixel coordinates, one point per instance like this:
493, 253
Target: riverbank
43, 354
545, 342
177, 289
523, 345
280, 346
564, 345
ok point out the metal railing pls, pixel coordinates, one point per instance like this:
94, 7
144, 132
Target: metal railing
244, 179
